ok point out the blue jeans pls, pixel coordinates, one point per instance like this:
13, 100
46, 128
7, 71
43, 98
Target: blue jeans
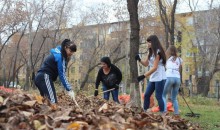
158, 87
114, 94
172, 84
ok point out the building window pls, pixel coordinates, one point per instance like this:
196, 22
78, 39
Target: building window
73, 70
80, 69
187, 68
73, 58
217, 83
189, 54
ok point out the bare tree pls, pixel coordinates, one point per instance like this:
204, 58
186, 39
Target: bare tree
12, 16
96, 40
206, 38
134, 47
168, 20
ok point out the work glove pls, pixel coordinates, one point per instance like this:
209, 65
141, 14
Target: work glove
180, 90
96, 93
139, 78
116, 86
71, 94
137, 58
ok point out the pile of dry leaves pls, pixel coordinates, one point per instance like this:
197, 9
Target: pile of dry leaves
26, 111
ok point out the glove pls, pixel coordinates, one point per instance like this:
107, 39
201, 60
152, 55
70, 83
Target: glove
96, 93
137, 57
139, 78
116, 86
71, 94
180, 90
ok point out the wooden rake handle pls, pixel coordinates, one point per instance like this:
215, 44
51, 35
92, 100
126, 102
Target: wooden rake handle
102, 92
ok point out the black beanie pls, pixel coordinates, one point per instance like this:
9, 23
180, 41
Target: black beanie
106, 60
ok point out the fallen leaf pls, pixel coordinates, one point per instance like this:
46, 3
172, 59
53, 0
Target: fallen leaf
30, 103
103, 107
39, 99
37, 124
25, 113
74, 126
1, 99
121, 111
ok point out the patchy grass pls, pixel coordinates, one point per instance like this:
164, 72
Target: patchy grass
208, 108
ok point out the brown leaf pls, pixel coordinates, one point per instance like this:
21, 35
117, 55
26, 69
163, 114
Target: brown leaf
77, 125
117, 118
37, 124
5, 101
103, 107
25, 113
1, 100
74, 126
30, 103
121, 111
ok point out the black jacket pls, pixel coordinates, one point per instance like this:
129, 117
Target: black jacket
112, 79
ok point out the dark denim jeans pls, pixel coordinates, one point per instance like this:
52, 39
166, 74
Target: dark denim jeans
114, 94
158, 87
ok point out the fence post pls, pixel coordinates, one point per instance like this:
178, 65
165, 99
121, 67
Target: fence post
217, 85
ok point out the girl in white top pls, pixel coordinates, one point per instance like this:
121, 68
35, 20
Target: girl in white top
156, 59
173, 69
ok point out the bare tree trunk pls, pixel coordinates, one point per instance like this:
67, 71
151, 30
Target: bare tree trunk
169, 24
203, 85
87, 76
15, 60
132, 6
28, 66
172, 22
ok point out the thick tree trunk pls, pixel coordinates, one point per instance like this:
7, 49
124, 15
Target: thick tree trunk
134, 48
203, 85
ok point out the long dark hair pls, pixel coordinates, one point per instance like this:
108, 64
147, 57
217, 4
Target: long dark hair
155, 45
171, 51
69, 44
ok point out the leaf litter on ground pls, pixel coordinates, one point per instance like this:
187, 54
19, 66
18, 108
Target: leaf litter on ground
19, 110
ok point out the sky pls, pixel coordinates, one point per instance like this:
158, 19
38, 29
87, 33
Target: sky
181, 8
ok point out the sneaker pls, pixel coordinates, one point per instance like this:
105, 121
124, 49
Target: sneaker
164, 113
176, 116
147, 111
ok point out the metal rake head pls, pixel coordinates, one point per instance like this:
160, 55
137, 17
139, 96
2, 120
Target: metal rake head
192, 115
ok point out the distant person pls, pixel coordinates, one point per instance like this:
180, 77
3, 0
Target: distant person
55, 64
173, 69
156, 59
110, 76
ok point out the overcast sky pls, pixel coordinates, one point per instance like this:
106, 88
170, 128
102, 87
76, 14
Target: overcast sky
181, 7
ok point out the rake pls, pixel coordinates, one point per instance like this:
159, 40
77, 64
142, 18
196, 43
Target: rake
192, 114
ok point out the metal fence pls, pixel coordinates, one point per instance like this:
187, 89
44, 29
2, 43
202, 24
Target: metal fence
191, 90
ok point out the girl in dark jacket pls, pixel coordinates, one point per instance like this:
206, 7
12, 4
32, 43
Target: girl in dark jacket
110, 76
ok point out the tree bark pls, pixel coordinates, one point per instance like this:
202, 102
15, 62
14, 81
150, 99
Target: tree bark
169, 23
132, 6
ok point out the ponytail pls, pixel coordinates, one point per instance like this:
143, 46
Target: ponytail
67, 43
